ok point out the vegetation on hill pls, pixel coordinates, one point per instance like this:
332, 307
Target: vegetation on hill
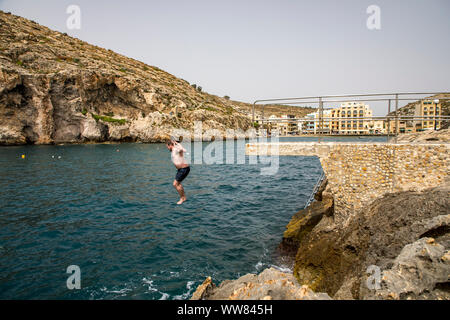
56, 88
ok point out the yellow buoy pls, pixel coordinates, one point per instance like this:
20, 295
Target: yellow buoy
23, 156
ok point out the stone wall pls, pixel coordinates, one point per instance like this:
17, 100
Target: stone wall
358, 173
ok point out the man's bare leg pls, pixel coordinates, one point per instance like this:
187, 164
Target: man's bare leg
180, 190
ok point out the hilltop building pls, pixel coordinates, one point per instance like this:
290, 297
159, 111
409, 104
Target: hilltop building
428, 108
422, 109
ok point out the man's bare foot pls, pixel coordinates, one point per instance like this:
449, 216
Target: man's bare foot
181, 200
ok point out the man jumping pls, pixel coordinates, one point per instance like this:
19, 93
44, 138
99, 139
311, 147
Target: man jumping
180, 163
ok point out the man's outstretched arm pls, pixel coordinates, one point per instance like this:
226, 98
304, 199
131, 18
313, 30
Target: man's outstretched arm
179, 146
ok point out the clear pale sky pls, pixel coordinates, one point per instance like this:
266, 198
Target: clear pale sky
268, 49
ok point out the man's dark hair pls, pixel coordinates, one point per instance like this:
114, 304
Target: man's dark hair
169, 143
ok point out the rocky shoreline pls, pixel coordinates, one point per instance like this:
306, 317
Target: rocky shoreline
405, 235
396, 246
393, 234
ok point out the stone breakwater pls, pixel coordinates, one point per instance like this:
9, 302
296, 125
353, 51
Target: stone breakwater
358, 174
384, 207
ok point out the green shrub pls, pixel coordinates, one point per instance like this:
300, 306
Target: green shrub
210, 108
84, 111
108, 119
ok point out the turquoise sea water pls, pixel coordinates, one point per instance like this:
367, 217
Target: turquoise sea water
110, 209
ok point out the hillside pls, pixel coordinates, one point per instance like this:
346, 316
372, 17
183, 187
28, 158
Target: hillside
408, 110
278, 110
55, 88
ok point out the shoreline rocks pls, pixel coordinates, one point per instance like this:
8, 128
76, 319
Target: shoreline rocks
335, 259
270, 284
420, 271
405, 237
305, 220
431, 136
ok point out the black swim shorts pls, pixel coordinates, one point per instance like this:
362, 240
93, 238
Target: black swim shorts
182, 173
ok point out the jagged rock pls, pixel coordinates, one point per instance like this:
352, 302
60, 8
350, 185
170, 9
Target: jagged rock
421, 271
430, 136
303, 222
334, 258
271, 284
203, 290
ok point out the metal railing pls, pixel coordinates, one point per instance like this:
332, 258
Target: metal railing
316, 188
375, 97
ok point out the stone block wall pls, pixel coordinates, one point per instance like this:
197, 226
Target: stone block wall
358, 173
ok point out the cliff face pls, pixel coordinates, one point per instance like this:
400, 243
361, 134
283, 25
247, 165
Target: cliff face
405, 235
55, 88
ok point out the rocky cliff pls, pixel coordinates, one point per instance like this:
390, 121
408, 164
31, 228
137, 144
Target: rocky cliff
404, 235
55, 88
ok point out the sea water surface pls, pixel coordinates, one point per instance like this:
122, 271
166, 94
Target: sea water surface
111, 210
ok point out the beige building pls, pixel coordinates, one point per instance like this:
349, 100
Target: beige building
428, 108
313, 125
335, 123
377, 127
359, 118
405, 126
424, 108
287, 125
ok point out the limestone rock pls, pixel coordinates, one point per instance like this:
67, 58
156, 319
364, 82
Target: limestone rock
421, 271
203, 290
59, 89
430, 136
304, 221
334, 258
271, 284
